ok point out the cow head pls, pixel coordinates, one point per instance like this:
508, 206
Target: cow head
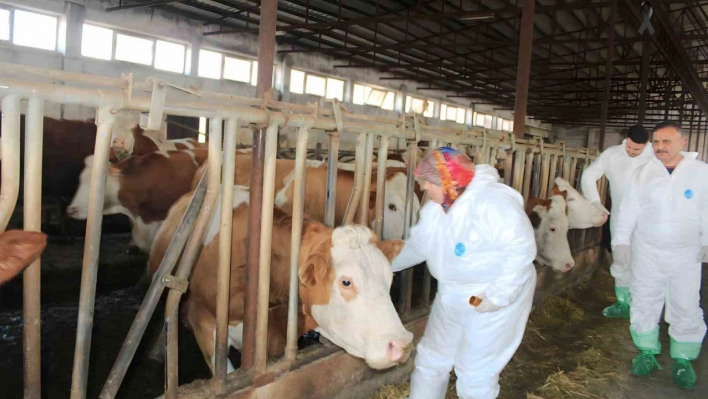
344, 287
78, 208
581, 213
551, 227
394, 206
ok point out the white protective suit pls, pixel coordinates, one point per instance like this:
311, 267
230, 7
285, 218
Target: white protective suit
484, 246
618, 167
665, 219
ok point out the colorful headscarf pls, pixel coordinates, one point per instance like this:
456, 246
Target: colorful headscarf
448, 168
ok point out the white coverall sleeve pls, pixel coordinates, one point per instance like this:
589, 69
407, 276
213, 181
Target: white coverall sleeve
629, 210
411, 254
588, 182
704, 217
515, 244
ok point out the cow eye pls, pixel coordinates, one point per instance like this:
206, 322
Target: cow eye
553, 229
392, 207
346, 283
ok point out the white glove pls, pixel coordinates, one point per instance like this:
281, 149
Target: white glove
487, 305
601, 207
703, 257
621, 254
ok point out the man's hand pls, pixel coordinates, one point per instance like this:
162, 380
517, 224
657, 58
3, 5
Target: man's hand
703, 257
487, 305
601, 207
621, 254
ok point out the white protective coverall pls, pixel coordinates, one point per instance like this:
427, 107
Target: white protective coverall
484, 245
665, 219
618, 167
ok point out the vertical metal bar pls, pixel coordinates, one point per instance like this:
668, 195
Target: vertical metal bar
381, 185
667, 100
89, 272
223, 280
608, 72
553, 167
190, 254
359, 164
646, 48
137, 329
34, 128
518, 169
271, 151
545, 165
536, 183
10, 158
573, 171
567, 164
523, 73
157, 104
266, 57
508, 168
527, 176
368, 166
298, 209
406, 292
332, 167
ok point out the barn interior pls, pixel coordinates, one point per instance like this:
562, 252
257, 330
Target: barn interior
558, 80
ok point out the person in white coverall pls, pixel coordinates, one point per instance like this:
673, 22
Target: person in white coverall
477, 242
664, 218
617, 163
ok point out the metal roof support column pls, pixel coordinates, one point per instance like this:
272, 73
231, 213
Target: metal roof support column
646, 48
266, 56
523, 73
608, 73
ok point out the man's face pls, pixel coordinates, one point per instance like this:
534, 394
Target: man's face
633, 149
667, 143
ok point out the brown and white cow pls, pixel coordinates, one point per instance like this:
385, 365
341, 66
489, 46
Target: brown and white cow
316, 192
550, 222
344, 283
581, 213
129, 135
142, 188
18, 249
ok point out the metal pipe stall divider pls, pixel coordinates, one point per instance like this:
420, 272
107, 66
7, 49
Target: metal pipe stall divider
381, 185
406, 291
368, 167
528, 169
34, 129
545, 165
105, 118
223, 279
359, 161
298, 213
332, 161
190, 255
157, 286
264, 260
552, 171
10, 158
157, 104
518, 179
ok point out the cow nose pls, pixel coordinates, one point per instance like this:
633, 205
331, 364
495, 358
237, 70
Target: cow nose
398, 351
569, 265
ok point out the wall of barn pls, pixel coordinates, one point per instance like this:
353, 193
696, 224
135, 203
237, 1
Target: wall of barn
584, 136
159, 25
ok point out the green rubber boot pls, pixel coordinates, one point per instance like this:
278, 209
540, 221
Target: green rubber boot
619, 309
684, 375
644, 364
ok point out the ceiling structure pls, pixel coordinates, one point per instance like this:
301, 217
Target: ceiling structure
469, 49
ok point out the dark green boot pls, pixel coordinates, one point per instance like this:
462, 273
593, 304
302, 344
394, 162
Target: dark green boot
644, 364
619, 309
684, 375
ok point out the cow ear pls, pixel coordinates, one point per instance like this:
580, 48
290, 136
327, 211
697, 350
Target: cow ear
390, 248
540, 210
314, 271
18, 249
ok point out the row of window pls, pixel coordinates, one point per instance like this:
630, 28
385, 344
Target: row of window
42, 31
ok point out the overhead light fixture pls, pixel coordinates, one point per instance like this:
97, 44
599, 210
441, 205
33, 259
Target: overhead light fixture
478, 17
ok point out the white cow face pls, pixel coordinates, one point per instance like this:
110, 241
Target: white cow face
394, 207
78, 209
357, 313
552, 244
581, 213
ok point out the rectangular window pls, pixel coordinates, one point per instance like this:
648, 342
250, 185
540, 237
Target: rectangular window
254, 73
35, 30
375, 97
335, 89
97, 42
482, 120
417, 105
451, 113
134, 49
4, 24
499, 124
389, 101
315, 85
297, 81
170, 56
237, 69
209, 64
